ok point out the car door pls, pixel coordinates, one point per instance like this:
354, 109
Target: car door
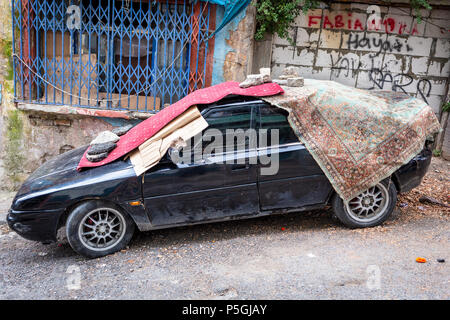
208, 188
299, 181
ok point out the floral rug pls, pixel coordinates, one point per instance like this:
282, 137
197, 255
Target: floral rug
358, 137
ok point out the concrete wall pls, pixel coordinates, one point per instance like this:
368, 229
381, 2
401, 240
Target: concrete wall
348, 43
44, 135
446, 143
7, 96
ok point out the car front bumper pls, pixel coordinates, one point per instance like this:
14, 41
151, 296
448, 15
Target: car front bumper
35, 225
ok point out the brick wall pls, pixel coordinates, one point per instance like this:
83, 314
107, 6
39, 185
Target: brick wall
371, 47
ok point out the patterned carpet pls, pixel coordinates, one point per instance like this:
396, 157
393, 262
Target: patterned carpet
358, 137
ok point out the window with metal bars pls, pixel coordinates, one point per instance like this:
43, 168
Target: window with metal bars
124, 55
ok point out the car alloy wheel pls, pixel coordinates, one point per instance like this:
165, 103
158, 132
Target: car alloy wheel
370, 208
96, 228
101, 229
369, 205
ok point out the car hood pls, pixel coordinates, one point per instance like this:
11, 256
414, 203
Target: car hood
56, 169
60, 174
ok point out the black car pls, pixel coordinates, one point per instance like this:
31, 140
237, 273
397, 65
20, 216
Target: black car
101, 207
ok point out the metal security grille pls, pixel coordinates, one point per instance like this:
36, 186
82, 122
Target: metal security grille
125, 55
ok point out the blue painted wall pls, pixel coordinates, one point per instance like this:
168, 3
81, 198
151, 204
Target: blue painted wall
220, 47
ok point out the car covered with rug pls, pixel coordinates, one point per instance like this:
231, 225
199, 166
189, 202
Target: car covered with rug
332, 145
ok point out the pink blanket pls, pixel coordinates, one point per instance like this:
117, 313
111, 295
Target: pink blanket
146, 129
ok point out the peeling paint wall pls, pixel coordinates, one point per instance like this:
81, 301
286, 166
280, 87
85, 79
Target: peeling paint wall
233, 47
48, 135
371, 47
7, 106
5, 15
29, 138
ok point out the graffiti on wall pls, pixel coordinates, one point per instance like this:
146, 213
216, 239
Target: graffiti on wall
398, 82
382, 78
374, 22
381, 46
371, 48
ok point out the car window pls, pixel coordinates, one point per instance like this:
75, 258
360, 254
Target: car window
275, 118
220, 120
229, 118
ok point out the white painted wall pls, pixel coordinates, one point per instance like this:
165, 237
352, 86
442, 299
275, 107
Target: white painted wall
371, 47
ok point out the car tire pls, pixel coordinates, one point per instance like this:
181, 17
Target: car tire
97, 228
369, 209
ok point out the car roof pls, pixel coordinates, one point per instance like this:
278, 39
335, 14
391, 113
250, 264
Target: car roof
230, 100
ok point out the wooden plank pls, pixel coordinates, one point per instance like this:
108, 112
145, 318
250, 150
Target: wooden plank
187, 125
178, 122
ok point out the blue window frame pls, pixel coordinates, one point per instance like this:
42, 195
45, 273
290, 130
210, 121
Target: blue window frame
122, 55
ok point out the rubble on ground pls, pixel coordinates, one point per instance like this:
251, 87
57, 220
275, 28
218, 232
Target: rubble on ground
435, 185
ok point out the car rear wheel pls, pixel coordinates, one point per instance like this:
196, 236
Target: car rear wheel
95, 229
370, 208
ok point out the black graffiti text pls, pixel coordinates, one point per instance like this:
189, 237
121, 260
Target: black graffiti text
355, 42
380, 76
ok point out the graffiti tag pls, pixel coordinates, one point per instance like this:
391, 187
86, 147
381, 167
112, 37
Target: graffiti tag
355, 42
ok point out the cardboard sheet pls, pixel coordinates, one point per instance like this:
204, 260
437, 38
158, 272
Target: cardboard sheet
184, 127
